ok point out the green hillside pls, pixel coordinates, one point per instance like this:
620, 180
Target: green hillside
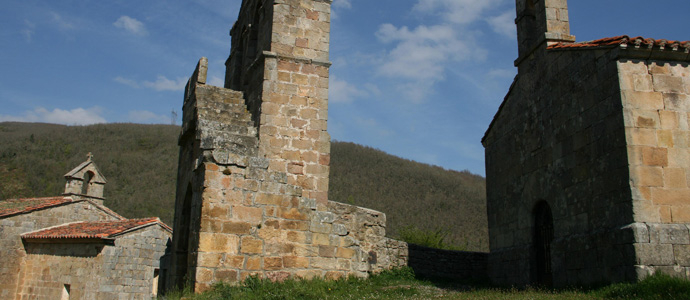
140, 164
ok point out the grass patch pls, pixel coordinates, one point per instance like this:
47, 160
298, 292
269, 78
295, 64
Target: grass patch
659, 286
401, 284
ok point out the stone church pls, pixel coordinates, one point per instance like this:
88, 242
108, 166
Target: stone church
588, 157
74, 247
252, 185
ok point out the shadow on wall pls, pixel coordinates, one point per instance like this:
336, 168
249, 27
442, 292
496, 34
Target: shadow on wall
448, 264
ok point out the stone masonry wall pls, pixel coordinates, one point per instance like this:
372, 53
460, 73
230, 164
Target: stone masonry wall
94, 270
254, 163
656, 105
12, 249
294, 110
252, 220
559, 138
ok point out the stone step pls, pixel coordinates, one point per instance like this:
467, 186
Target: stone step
244, 129
242, 119
237, 144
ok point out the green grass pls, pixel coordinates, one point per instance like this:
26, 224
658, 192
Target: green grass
401, 284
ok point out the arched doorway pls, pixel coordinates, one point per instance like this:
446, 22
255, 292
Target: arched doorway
182, 247
543, 236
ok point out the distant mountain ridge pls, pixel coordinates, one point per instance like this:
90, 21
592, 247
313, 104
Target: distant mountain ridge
140, 165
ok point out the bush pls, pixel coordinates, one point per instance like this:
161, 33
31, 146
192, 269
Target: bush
428, 238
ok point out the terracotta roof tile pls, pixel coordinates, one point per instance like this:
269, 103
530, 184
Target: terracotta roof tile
628, 42
91, 230
19, 206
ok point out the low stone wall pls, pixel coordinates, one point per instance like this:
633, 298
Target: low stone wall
367, 229
456, 265
662, 248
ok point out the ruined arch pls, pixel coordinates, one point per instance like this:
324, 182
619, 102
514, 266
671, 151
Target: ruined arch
541, 244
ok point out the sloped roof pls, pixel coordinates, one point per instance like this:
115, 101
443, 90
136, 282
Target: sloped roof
21, 206
18, 206
94, 230
98, 176
625, 41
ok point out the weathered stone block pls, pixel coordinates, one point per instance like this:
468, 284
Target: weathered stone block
669, 234
251, 245
226, 275
273, 263
218, 242
295, 262
252, 215
670, 196
654, 254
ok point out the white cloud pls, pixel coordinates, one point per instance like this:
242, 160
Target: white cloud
342, 4
77, 116
340, 91
132, 25
127, 81
423, 54
162, 83
455, 11
371, 126
64, 25
215, 81
29, 30
144, 116
504, 24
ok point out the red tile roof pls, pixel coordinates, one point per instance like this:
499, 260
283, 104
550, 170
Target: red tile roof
19, 206
626, 41
92, 230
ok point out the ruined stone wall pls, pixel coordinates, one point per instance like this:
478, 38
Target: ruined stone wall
252, 220
656, 106
94, 270
254, 162
559, 138
12, 249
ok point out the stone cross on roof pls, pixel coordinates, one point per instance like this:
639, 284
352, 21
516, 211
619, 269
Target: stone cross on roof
89, 156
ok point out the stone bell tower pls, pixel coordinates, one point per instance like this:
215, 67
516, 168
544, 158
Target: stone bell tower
86, 181
279, 60
541, 23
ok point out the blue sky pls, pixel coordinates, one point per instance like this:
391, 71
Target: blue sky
420, 79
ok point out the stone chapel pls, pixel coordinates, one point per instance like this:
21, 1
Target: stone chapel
588, 157
73, 247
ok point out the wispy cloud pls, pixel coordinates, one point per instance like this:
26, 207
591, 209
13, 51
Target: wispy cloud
341, 91
77, 116
28, 31
342, 4
504, 24
61, 22
455, 11
162, 83
215, 81
423, 54
144, 116
131, 25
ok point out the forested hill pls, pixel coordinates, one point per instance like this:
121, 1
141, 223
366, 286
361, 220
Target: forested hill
140, 165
